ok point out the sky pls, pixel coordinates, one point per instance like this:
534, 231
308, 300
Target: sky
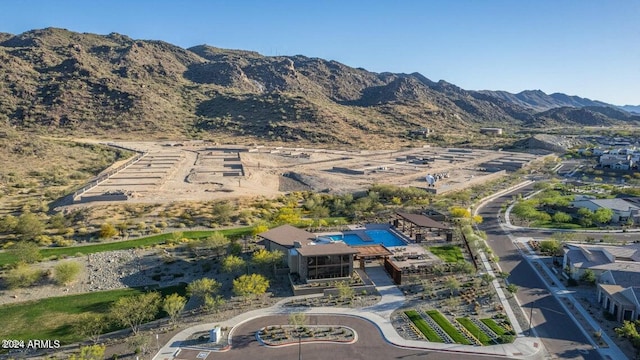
587, 48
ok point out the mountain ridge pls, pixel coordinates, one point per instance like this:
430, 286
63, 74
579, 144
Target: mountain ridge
61, 82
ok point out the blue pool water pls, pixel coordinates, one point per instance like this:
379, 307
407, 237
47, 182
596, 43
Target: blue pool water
383, 237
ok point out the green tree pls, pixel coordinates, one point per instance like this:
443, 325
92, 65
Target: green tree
173, 305
26, 252
550, 247
562, 217
8, 224
267, 259
67, 272
250, 285
603, 215
585, 217
459, 212
588, 276
259, 229
452, 284
222, 212
629, 330
213, 303
133, 311
345, 292
90, 325
91, 352
233, 264
107, 231
201, 287
216, 243
139, 343
287, 215
22, 276
512, 288
58, 221
29, 226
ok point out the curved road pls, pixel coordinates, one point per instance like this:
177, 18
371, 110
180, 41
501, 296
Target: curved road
555, 328
369, 346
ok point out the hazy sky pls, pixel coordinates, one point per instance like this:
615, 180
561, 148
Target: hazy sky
579, 47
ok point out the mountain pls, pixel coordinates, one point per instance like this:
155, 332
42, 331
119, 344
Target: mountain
58, 82
540, 101
588, 115
631, 108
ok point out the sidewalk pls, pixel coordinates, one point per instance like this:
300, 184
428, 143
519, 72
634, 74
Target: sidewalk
379, 314
560, 292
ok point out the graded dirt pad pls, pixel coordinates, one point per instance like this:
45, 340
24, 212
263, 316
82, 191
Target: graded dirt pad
200, 171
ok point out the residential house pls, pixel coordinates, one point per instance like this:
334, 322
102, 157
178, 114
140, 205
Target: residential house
617, 270
622, 208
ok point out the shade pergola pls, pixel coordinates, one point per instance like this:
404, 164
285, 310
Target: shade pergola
417, 224
372, 251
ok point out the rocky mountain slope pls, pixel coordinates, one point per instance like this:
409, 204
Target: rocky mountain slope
54, 81
539, 101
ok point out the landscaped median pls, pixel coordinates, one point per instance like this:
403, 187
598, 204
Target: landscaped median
442, 321
284, 335
423, 326
475, 331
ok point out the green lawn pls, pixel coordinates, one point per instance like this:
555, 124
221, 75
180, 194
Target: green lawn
52, 318
448, 253
491, 324
447, 327
8, 258
423, 326
475, 330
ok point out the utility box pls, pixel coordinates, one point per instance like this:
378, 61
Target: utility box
215, 334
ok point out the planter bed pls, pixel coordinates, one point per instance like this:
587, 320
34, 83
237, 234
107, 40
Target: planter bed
475, 331
422, 325
491, 324
280, 335
447, 327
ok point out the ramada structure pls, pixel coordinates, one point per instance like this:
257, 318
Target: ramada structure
617, 270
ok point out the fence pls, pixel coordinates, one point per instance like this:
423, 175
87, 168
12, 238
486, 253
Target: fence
106, 176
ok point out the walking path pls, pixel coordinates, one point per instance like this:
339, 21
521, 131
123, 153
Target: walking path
379, 314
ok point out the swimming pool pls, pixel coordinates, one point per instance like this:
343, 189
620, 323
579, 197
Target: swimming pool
383, 237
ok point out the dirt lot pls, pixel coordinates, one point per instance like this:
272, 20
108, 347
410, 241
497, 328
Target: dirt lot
199, 171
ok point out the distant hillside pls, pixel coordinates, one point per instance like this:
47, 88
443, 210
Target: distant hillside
540, 101
631, 108
58, 82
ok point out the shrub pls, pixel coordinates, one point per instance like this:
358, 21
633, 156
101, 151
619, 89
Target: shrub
22, 276
67, 272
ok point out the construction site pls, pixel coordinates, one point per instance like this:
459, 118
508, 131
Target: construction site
199, 171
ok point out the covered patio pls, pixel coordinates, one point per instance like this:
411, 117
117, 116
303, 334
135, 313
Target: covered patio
420, 227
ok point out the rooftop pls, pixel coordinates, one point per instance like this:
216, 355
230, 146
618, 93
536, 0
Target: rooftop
313, 249
422, 221
287, 235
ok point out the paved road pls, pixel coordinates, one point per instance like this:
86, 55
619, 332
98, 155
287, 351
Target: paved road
560, 335
369, 346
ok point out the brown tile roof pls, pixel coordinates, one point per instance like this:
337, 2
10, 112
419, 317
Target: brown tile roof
422, 221
286, 235
326, 249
